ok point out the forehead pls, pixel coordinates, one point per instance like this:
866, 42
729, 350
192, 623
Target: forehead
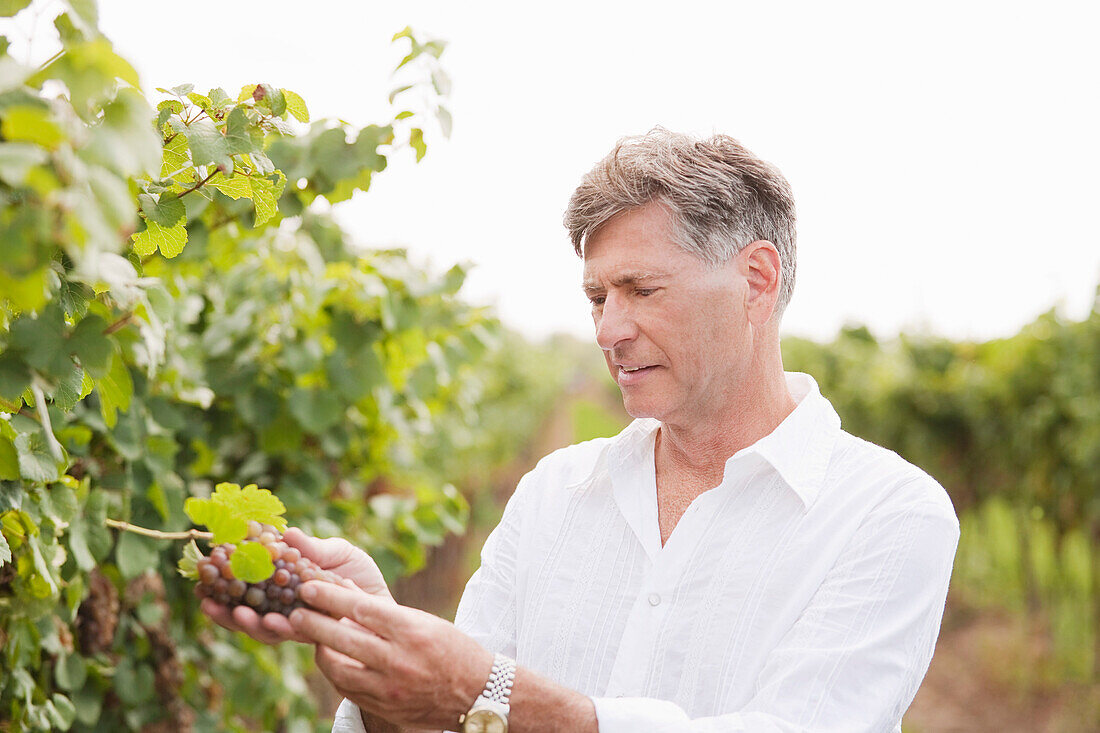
637, 243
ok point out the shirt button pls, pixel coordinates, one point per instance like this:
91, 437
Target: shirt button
654, 599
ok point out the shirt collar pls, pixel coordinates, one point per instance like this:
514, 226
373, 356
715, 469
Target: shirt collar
798, 449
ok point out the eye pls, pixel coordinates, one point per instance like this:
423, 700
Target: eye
645, 291
597, 299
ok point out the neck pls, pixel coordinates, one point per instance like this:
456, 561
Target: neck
742, 415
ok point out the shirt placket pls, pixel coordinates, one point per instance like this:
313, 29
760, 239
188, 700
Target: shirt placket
651, 607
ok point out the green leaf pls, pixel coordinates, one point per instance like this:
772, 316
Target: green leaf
170, 241
175, 156
42, 341
26, 292
264, 196
218, 97
275, 100
89, 70
9, 460
17, 159
36, 462
89, 705
180, 91
71, 672
166, 109
200, 100
208, 145
399, 90
237, 137
24, 123
86, 12
64, 501
166, 212
9, 8
416, 141
41, 567
133, 684
113, 198
315, 410
91, 346
188, 565
135, 554
296, 106
115, 390
60, 711
228, 509
5, 550
446, 123
14, 376
235, 186
99, 537
225, 526
68, 390
125, 141
78, 544
251, 562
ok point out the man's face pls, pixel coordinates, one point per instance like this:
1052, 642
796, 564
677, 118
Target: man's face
673, 330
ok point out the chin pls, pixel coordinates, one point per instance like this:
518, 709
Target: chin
637, 408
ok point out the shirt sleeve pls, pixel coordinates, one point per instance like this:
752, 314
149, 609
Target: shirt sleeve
487, 611
348, 719
855, 658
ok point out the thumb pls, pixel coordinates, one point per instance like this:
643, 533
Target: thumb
327, 552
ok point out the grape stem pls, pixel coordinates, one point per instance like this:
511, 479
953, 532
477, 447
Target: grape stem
191, 534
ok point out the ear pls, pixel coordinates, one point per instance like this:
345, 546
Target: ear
762, 272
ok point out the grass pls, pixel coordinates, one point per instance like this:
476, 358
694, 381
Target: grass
990, 573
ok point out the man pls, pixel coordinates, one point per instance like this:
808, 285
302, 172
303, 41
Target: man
732, 561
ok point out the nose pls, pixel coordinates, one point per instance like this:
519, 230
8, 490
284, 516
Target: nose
615, 323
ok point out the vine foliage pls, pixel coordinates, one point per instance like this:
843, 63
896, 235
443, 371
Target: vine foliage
178, 309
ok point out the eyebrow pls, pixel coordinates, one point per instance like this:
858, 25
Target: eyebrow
626, 278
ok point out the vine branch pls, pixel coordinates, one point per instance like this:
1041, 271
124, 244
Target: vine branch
191, 534
119, 324
200, 184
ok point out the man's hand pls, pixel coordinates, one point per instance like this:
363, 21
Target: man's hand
334, 554
401, 664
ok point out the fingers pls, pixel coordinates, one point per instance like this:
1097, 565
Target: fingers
366, 610
279, 625
351, 640
346, 673
219, 614
271, 628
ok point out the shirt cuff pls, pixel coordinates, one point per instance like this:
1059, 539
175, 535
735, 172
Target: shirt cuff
348, 719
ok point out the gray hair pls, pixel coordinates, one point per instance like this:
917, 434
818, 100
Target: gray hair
721, 197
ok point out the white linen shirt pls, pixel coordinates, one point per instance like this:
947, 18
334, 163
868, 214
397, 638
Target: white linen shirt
803, 593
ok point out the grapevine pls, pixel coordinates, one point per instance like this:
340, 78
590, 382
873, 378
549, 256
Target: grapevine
171, 313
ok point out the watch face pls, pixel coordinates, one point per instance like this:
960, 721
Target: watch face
484, 721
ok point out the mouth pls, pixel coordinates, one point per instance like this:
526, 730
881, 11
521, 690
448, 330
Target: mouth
627, 375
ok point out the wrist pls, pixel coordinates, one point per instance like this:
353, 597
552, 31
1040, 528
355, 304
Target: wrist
489, 711
373, 724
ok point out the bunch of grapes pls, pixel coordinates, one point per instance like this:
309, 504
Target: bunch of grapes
277, 594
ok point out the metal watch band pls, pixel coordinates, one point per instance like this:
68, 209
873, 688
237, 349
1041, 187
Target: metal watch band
499, 687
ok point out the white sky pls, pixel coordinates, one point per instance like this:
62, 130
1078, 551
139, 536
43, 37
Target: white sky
944, 155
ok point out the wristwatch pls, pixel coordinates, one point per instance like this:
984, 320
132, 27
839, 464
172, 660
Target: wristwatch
489, 713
